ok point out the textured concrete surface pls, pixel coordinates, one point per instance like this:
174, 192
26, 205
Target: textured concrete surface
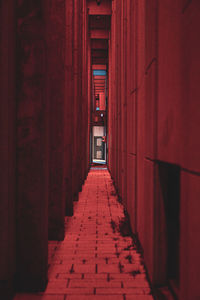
96, 260
56, 92
32, 189
7, 148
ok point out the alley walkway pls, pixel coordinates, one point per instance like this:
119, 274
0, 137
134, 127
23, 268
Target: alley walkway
96, 260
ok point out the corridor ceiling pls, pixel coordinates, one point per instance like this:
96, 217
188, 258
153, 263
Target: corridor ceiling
99, 30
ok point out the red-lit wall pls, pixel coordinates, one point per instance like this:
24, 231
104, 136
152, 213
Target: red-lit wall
45, 107
7, 148
44, 132
154, 117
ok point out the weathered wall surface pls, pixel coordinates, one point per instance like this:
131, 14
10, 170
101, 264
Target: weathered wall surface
154, 74
56, 48
7, 147
32, 156
41, 124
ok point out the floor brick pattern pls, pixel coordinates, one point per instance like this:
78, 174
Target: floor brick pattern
94, 261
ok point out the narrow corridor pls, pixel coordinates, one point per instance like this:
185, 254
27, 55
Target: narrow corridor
90, 82
97, 259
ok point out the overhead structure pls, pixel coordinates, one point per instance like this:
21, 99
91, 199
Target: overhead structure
99, 31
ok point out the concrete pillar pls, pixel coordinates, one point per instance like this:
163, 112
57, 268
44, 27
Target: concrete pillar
112, 102
69, 110
118, 95
80, 103
56, 14
124, 102
77, 117
32, 158
109, 115
86, 91
150, 142
89, 91
7, 147
190, 177
81, 95
112, 96
131, 118
140, 111
83, 79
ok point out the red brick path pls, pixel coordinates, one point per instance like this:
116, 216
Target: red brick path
93, 261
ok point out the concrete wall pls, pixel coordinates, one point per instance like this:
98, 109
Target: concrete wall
153, 85
56, 48
44, 124
7, 147
179, 122
32, 148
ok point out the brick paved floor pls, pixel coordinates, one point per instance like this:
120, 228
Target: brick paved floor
94, 261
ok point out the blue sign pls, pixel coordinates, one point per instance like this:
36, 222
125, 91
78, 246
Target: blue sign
99, 72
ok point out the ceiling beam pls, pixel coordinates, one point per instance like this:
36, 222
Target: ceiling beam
99, 53
100, 77
99, 67
99, 34
105, 8
99, 44
99, 60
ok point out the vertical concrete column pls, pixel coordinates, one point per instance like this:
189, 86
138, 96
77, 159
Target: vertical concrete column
114, 92
85, 138
83, 89
112, 110
112, 95
32, 175
118, 98
131, 117
190, 177
117, 70
122, 89
76, 146
69, 109
140, 94
83, 84
151, 32
153, 243
115, 63
56, 94
79, 108
81, 100
80, 97
7, 147
124, 103
90, 97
